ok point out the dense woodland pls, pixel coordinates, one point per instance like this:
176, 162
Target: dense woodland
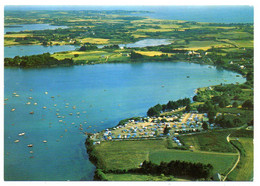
43, 60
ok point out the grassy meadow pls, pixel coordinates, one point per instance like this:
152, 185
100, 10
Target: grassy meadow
245, 168
140, 177
213, 141
126, 155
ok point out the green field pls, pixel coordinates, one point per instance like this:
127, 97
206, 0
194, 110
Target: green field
129, 154
92, 56
195, 45
245, 168
126, 154
214, 141
221, 162
140, 177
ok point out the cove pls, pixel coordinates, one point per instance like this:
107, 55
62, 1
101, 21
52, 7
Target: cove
72, 100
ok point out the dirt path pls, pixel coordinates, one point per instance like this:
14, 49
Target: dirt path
238, 159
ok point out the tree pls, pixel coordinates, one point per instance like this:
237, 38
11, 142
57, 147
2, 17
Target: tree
219, 61
250, 76
44, 43
235, 105
248, 104
158, 107
135, 55
153, 112
205, 125
195, 98
188, 108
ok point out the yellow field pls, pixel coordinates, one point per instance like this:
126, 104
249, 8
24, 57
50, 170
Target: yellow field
77, 20
170, 26
154, 30
150, 53
139, 35
83, 55
10, 42
95, 40
18, 35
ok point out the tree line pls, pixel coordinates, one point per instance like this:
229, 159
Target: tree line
36, 61
177, 168
171, 105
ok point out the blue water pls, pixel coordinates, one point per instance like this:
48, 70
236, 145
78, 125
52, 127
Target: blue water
214, 14
26, 50
24, 27
147, 42
103, 94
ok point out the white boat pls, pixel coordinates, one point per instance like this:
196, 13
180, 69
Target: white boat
22, 134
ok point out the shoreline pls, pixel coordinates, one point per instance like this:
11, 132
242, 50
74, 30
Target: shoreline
89, 143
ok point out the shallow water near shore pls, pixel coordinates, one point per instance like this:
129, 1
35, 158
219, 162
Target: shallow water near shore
85, 99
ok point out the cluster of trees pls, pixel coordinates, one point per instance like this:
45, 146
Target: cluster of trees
111, 47
134, 55
248, 104
88, 47
228, 121
171, 105
36, 61
90, 150
174, 168
210, 109
222, 100
99, 176
230, 90
178, 168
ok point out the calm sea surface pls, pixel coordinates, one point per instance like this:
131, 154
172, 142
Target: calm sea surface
102, 95
213, 14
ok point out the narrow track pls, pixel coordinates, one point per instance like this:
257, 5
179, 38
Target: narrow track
238, 159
